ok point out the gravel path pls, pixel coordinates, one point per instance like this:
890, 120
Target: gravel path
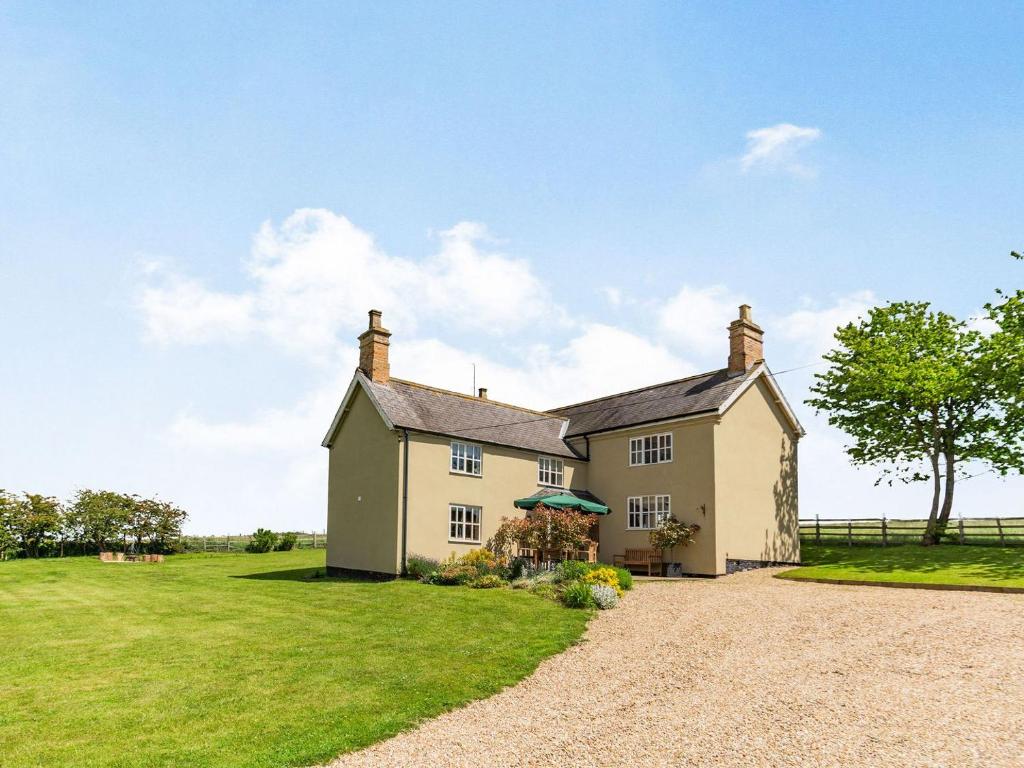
747, 670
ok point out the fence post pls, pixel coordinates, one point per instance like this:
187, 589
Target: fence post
885, 534
961, 526
314, 539
849, 533
817, 530
999, 525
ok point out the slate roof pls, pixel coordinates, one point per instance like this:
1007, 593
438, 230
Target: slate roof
425, 409
703, 393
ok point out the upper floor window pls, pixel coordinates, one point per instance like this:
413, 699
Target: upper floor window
467, 459
464, 523
653, 449
550, 471
646, 512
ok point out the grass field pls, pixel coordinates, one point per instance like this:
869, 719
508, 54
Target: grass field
243, 660
944, 564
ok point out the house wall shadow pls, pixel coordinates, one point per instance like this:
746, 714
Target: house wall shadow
308, 575
783, 545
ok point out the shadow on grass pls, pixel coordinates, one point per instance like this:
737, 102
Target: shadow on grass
310, 575
988, 562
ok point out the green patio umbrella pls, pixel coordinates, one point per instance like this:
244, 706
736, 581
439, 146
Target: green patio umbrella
563, 501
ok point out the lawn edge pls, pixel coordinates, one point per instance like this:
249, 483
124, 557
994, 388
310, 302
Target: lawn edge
904, 584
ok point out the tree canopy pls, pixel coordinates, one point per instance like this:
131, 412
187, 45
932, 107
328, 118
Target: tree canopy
923, 396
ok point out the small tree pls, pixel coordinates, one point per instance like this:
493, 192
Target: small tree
544, 528
671, 533
264, 540
922, 395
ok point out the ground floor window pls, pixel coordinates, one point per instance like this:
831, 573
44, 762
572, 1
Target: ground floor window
464, 523
647, 512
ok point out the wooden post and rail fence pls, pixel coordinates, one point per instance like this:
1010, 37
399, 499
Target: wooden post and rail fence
231, 543
993, 531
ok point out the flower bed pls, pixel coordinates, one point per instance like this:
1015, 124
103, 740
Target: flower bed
575, 584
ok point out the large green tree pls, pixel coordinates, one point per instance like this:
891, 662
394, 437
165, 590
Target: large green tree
99, 517
10, 513
923, 397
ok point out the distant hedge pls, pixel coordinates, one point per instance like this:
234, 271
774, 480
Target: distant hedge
33, 525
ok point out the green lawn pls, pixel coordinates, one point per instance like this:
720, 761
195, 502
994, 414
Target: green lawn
944, 564
244, 660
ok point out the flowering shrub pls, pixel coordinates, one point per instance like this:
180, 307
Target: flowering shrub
672, 533
604, 597
454, 573
512, 533
604, 576
544, 528
487, 581
578, 595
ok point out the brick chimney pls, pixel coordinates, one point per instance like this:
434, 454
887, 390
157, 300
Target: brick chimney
373, 350
746, 345
482, 393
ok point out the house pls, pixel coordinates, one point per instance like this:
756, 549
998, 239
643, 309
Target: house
418, 470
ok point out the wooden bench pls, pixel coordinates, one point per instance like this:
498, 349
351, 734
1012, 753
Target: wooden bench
640, 558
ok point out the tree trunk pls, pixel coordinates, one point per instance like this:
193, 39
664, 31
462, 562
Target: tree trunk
931, 534
947, 501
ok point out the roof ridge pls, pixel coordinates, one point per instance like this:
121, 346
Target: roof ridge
638, 389
473, 399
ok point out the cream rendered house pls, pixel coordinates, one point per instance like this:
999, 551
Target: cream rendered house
419, 470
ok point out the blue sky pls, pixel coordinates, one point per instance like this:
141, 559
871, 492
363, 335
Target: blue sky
198, 205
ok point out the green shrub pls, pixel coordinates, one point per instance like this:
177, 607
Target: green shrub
487, 581
571, 570
264, 540
518, 568
625, 578
286, 542
418, 566
578, 595
450, 574
521, 584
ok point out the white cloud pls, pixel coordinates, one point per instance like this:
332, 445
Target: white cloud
811, 329
695, 319
179, 309
776, 147
613, 295
314, 277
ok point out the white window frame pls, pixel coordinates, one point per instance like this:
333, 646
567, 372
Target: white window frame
465, 457
464, 520
651, 449
549, 468
647, 512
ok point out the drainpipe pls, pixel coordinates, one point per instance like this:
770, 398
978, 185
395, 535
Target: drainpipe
586, 438
405, 494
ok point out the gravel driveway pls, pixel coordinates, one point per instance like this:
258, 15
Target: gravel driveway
747, 670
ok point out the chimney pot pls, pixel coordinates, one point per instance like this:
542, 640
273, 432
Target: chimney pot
746, 342
482, 393
373, 350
